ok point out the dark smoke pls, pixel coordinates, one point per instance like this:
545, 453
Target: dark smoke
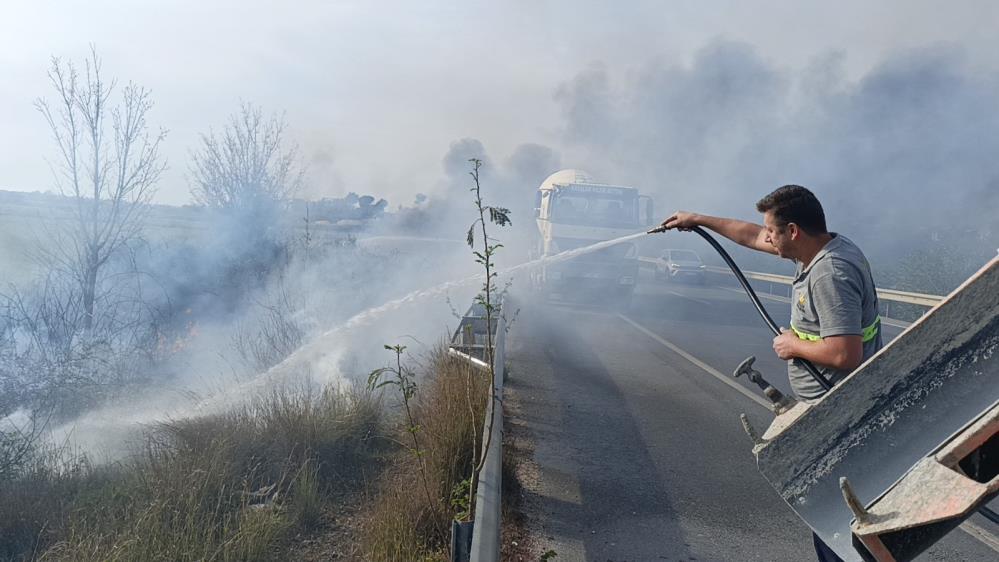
903, 157
511, 185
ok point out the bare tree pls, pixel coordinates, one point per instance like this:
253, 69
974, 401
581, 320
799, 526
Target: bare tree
245, 168
85, 322
108, 164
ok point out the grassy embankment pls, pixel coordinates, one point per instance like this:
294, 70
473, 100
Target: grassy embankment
251, 483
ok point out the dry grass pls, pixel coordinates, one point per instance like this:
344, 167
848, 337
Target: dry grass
226, 487
240, 485
403, 524
35, 504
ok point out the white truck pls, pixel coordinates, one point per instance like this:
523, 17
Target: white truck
574, 211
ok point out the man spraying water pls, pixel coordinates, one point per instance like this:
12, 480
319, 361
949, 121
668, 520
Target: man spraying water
834, 312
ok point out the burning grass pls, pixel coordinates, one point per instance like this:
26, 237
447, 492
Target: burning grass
226, 487
402, 523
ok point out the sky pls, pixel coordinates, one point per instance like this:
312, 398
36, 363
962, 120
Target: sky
376, 93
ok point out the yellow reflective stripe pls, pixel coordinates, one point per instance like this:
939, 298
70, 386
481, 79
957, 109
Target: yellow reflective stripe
804, 335
869, 333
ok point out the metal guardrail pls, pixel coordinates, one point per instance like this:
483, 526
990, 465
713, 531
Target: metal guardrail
485, 540
920, 299
486, 532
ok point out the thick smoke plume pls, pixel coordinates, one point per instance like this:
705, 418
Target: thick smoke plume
900, 157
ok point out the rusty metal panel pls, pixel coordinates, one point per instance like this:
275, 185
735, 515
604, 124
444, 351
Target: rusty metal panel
939, 492
905, 403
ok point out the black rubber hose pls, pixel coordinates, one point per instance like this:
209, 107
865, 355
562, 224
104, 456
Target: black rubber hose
807, 365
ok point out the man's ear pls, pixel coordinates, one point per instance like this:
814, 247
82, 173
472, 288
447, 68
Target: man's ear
793, 231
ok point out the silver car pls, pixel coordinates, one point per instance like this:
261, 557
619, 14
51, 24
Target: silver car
675, 265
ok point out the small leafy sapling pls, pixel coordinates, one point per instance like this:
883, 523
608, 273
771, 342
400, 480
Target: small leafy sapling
404, 380
488, 299
459, 500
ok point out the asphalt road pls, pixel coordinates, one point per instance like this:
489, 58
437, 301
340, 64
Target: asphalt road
636, 449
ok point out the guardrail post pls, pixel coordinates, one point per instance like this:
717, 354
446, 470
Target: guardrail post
461, 540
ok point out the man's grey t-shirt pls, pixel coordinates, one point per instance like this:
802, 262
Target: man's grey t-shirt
834, 296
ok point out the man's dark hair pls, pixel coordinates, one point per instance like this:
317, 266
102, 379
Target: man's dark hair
793, 203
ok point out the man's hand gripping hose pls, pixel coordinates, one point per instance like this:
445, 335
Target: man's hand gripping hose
807, 365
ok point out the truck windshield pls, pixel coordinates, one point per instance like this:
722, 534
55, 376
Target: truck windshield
592, 209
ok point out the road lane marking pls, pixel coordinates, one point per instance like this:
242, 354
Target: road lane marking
983, 535
704, 366
681, 295
975, 531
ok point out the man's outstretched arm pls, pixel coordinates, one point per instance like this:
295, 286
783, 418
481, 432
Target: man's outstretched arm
750, 235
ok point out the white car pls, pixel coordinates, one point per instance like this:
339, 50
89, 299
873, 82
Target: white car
674, 265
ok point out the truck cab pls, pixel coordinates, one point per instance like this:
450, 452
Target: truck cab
574, 211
